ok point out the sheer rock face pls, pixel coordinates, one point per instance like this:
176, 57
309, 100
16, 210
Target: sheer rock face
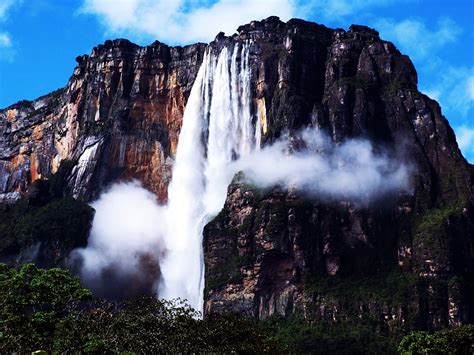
119, 117
267, 251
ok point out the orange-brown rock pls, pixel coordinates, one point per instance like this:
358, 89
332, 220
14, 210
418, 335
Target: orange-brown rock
118, 118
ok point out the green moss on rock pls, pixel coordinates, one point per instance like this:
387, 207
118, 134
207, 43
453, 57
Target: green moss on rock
391, 288
45, 216
429, 228
226, 272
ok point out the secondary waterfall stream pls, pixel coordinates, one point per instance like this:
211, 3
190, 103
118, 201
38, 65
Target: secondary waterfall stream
217, 128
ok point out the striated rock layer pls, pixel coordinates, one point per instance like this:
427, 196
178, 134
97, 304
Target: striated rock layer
406, 262
118, 117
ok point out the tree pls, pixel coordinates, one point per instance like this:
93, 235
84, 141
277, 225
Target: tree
50, 310
456, 340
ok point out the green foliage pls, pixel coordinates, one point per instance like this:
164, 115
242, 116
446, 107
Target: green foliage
432, 221
63, 219
429, 229
452, 182
393, 287
9, 218
49, 310
358, 302
456, 340
149, 325
59, 218
226, 272
298, 335
222, 332
31, 300
45, 215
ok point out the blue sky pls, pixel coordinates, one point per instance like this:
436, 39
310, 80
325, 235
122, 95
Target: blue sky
39, 39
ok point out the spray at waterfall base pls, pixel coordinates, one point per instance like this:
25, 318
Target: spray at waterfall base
219, 138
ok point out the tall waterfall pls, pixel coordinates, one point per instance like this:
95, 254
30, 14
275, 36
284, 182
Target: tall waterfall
217, 129
219, 136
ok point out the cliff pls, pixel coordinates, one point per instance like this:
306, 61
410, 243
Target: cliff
118, 117
405, 263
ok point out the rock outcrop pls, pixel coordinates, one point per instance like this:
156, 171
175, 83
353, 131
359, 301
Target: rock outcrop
278, 252
407, 262
118, 117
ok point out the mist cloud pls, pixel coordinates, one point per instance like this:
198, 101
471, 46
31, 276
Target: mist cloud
131, 230
313, 163
125, 241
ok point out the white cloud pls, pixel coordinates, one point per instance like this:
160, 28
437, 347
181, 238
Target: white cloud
453, 87
352, 170
470, 87
415, 39
5, 5
465, 139
7, 53
339, 9
5, 40
187, 21
183, 21
125, 240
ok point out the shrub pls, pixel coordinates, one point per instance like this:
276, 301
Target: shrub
50, 310
456, 340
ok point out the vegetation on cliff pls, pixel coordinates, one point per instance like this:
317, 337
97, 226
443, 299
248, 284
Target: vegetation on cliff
50, 310
458, 340
23, 224
46, 219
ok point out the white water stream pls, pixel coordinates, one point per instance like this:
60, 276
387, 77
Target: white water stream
217, 129
219, 137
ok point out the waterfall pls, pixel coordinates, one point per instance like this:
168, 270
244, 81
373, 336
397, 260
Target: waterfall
217, 129
219, 137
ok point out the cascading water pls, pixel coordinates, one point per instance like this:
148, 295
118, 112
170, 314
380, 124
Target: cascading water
217, 129
219, 137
